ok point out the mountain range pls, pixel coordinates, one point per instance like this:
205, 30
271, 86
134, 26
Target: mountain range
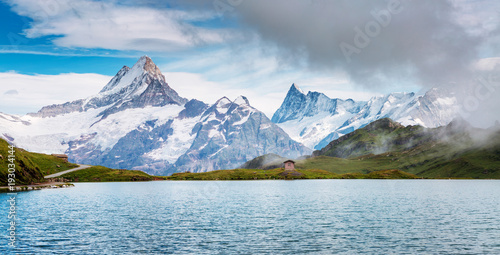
314, 119
137, 121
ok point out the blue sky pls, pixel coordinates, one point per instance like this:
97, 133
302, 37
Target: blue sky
55, 51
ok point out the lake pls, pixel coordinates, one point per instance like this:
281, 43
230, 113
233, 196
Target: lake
260, 217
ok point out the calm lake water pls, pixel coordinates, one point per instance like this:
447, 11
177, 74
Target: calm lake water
260, 217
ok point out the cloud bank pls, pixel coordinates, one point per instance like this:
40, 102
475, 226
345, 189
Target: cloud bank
114, 25
390, 40
21, 93
375, 44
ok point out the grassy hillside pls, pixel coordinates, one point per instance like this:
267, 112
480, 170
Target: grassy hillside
279, 173
483, 164
454, 151
104, 174
30, 167
378, 137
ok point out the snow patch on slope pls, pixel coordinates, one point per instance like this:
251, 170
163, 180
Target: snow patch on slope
52, 134
178, 143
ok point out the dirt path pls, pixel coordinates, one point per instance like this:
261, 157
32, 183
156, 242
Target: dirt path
67, 171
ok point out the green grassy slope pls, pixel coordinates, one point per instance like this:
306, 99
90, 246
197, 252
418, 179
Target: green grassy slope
377, 137
30, 167
476, 165
279, 173
453, 151
49, 164
457, 156
104, 174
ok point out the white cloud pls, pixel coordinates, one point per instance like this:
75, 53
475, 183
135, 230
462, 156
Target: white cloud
249, 72
36, 91
11, 92
109, 25
195, 86
479, 17
487, 64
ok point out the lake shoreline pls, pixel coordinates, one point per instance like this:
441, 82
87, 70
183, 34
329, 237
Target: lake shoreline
37, 186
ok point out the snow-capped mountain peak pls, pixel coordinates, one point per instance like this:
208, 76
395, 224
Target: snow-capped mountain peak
315, 119
135, 78
241, 100
150, 67
126, 76
116, 79
297, 88
136, 87
222, 105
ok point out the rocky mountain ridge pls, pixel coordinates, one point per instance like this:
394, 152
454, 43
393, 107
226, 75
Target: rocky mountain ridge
137, 87
137, 121
315, 119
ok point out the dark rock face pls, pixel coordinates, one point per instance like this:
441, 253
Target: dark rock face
57, 109
192, 109
295, 100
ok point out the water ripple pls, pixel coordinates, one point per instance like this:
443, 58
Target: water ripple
261, 217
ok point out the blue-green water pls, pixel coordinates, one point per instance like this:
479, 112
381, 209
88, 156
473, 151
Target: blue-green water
260, 217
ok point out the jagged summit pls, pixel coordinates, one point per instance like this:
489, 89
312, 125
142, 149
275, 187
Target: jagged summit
225, 102
297, 88
126, 76
116, 79
222, 101
241, 100
225, 105
298, 105
314, 119
137, 87
149, 66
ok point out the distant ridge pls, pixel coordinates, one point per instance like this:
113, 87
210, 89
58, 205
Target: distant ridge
315, 119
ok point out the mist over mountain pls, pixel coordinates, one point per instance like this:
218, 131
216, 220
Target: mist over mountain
457, 150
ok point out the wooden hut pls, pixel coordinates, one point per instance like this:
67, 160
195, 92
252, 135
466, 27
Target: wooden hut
289, 165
